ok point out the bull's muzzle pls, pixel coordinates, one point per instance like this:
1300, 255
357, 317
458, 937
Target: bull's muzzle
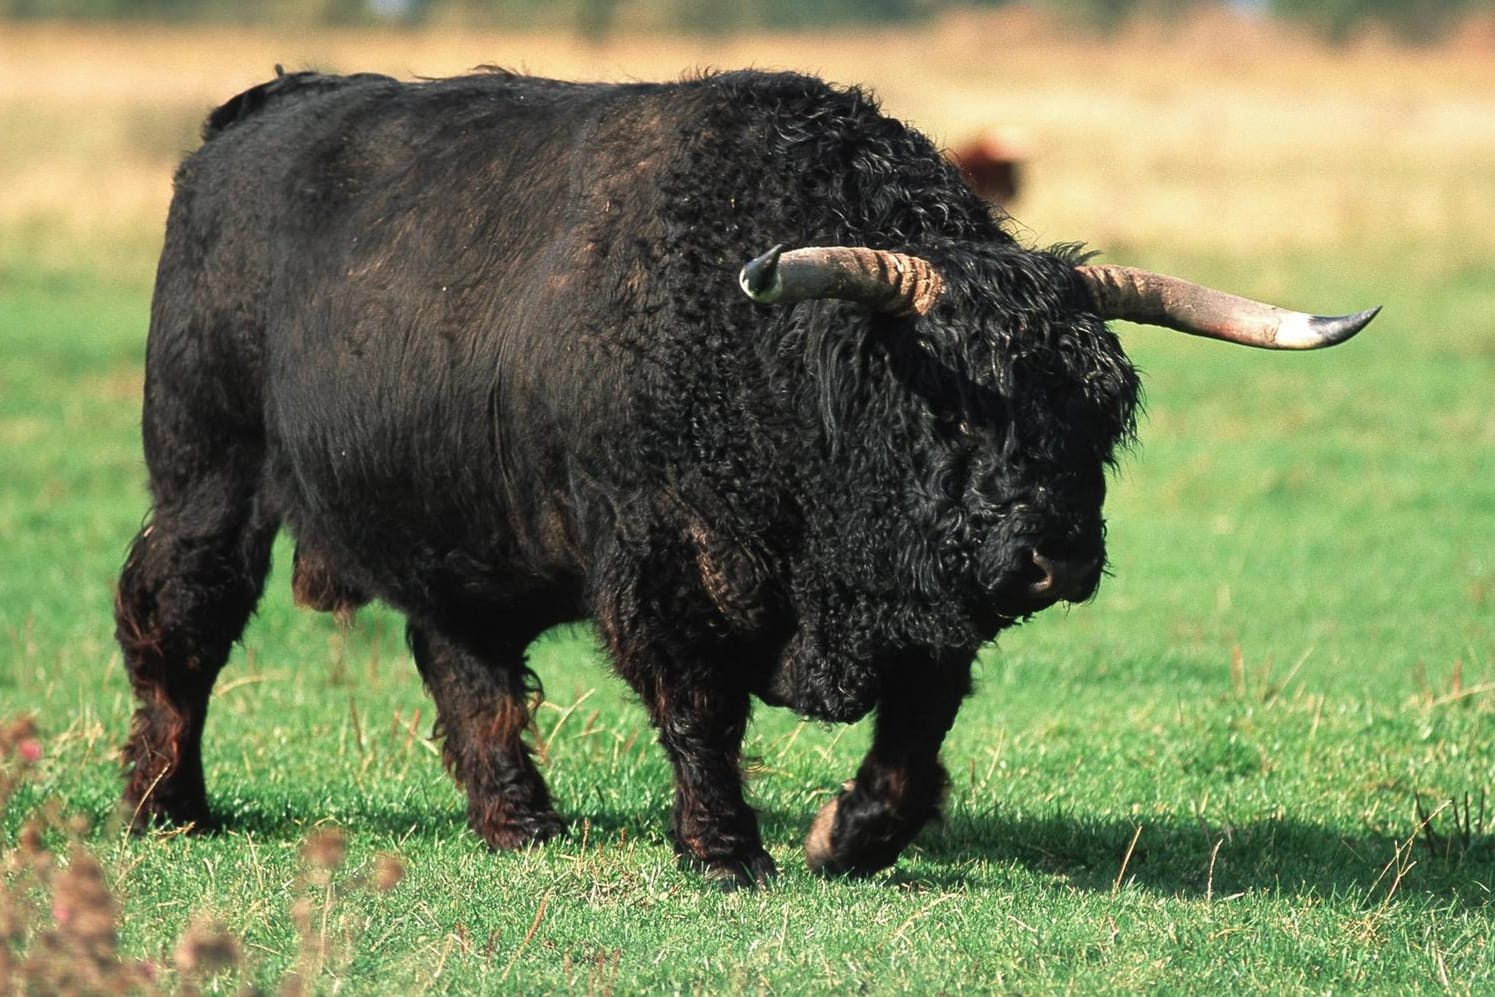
1063, 579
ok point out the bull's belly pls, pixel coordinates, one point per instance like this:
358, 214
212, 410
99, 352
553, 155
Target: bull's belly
481, 590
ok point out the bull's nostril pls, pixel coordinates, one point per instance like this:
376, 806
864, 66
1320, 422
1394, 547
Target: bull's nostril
1047, 582
1061, 579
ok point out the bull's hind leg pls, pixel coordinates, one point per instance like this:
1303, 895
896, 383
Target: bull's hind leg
901, 782
484, 710
189, 584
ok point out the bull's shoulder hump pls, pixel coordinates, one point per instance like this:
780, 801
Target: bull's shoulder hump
781, 87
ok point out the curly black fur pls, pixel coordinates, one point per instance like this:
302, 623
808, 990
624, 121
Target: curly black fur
477, 342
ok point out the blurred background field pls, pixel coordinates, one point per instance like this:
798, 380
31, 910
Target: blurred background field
1215, 133
1296, 656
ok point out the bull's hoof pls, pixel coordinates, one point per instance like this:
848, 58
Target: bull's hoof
820, 853
517, 832
734, 874
850, 850
155, 813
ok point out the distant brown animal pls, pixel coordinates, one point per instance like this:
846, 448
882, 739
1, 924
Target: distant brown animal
991, 165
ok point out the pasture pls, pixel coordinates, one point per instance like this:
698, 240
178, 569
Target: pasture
1262, 759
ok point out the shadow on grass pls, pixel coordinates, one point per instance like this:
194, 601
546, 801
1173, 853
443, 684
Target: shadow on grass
1171, 856
1179, 857
278, 820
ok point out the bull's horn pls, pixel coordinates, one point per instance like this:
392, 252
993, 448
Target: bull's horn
1157, 299
883, 281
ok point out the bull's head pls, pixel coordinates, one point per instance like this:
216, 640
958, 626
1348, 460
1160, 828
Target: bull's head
1042, 409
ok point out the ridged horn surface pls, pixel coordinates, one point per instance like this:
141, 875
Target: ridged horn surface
884, 281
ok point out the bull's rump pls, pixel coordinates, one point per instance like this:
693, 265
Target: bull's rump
428, 287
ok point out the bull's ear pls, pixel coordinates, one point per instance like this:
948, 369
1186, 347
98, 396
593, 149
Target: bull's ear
884, 281
1157, 299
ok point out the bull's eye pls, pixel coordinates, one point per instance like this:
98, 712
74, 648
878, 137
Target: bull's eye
952, 419
953, 422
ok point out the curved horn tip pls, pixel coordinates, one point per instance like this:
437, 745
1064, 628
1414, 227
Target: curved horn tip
759, 277
1314, 332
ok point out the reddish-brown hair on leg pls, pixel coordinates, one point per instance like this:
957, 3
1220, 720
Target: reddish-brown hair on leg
485, 708
181, 604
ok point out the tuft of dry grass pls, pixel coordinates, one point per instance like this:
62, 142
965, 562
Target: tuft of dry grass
59, 914
58, 917
1218, 135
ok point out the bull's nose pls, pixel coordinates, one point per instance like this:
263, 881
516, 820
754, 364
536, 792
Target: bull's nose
1061, 578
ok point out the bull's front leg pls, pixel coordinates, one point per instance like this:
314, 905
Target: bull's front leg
697, 696
701, 728
901, 782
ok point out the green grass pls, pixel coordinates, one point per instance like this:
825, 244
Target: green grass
1209, 778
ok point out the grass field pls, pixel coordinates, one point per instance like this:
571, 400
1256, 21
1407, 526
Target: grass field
1263, 759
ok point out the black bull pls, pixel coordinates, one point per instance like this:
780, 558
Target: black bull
483, 346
